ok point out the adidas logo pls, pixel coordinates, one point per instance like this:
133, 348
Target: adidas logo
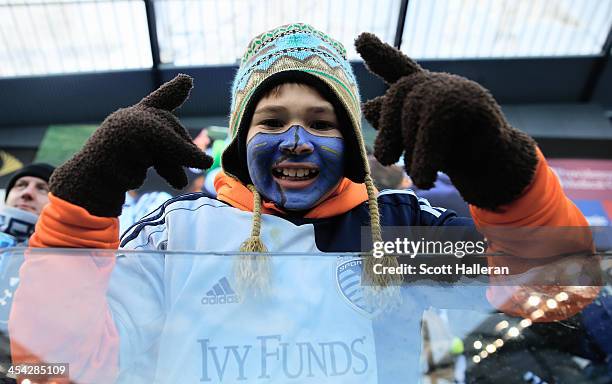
221, 293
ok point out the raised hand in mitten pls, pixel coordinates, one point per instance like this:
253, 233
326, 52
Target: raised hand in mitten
443, 122
116, 157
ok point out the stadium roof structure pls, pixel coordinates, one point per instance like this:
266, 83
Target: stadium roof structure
105, 54
40, 37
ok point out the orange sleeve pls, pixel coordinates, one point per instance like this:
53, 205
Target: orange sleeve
543, 203
65, 225
60, 311
541, 224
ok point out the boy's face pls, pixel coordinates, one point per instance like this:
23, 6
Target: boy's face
295, 150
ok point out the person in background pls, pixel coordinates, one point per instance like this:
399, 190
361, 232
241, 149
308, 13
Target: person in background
26, 195
443, 193
203, 141
139, 205
206, 179
197, 176
209, 181
390, 177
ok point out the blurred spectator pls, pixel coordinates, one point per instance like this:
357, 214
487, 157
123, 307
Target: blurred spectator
391, 177
196, 176
202, 140
443, 194
137, 206
26, 195
204, 182
209, 182
196, 183
216, 151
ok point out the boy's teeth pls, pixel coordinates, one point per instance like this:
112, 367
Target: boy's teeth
296, 172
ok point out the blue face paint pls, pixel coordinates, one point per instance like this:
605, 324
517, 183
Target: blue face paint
296, 145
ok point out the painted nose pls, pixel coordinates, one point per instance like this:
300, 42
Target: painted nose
297, 142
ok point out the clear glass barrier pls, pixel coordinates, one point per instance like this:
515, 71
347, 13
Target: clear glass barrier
94, 316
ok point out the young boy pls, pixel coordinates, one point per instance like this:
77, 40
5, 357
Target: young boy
296, 178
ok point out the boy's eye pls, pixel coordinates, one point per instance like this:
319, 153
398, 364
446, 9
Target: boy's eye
322, 125
272, 123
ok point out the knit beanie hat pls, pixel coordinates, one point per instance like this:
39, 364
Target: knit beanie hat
295, 53
41, 170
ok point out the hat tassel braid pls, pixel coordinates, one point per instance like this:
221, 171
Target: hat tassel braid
252, 270
381, 291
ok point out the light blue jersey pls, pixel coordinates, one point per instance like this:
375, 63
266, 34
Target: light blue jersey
135, 208
186, 321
